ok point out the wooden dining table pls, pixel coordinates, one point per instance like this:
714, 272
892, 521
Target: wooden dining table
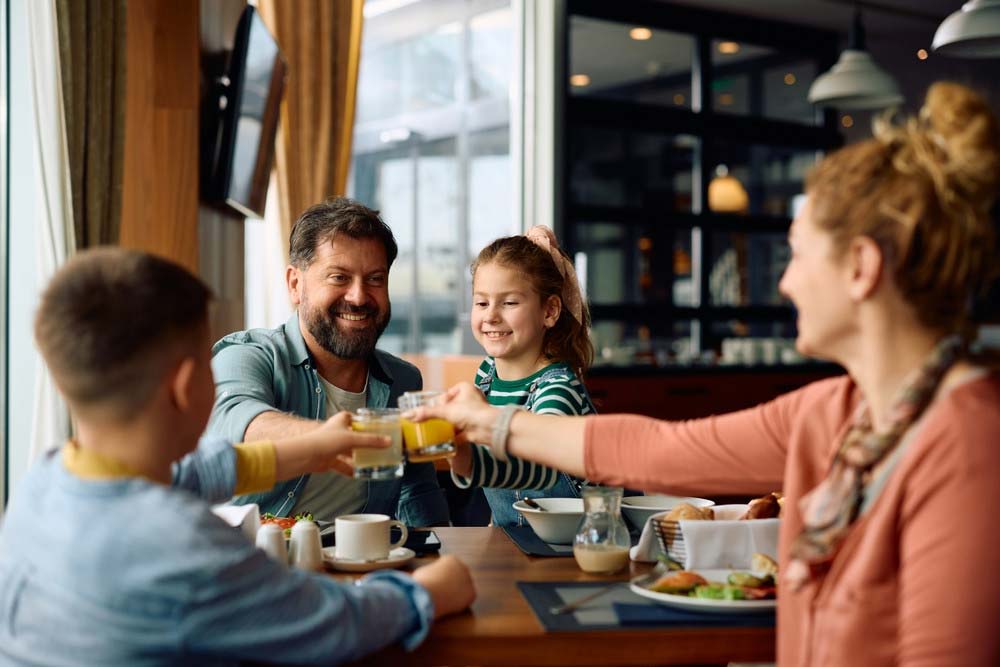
501, 629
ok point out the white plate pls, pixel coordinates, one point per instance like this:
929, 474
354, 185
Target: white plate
704, 604
397, 557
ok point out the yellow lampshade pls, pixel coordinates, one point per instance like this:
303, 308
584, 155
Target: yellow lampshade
726, 194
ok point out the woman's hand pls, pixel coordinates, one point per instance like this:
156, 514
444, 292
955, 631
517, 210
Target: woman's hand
466, 408
328, 447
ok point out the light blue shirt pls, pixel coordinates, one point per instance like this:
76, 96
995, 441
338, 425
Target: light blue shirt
261, 370
128, 572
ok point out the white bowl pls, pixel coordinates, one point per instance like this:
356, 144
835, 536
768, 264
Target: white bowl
558, 523
639, 508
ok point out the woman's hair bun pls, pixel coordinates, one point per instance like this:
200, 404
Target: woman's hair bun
955, 141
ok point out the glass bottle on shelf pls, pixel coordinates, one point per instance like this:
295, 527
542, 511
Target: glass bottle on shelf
602, 541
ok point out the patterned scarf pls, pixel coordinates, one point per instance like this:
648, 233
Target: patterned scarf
831, 508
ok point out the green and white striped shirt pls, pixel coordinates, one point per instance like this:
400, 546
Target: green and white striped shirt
554, 390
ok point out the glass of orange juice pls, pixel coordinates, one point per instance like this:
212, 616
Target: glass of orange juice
430, 439
371, 463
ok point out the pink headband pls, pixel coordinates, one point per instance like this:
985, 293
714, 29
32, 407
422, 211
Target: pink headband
572, 299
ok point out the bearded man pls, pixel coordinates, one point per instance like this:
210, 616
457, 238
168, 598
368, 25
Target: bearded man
275, 383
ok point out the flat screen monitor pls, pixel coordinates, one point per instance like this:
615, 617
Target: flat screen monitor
241, 120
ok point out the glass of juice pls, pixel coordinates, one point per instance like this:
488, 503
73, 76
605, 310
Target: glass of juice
430, 439
370, 463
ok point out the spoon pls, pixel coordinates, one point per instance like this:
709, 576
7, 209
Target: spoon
530, 502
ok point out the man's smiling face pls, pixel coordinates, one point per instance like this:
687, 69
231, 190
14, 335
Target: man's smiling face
343, 295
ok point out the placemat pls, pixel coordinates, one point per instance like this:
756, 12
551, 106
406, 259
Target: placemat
619, 608
652, 615
528, 542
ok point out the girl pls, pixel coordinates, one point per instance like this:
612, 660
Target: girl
529, 316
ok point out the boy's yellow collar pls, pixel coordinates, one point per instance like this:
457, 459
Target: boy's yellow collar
88, 464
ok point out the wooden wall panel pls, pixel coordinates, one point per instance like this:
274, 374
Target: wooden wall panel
160, 181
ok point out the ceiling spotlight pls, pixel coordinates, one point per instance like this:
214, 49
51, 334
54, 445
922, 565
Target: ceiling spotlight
847, 121
790, 79
640, 34
921, 54
729, 48
971, 32
579, 80
856, 81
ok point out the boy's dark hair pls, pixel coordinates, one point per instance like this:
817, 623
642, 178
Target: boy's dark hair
111, 321
338, 215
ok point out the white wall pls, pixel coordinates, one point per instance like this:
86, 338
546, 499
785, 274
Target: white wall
23, 359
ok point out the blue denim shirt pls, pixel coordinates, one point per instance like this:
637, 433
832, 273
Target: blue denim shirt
263, 370
125, 572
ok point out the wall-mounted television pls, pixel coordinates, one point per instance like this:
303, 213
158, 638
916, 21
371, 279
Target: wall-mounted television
240, 118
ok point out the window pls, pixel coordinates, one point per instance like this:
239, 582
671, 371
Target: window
432, 152
688, 138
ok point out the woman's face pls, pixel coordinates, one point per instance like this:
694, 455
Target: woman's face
816, 281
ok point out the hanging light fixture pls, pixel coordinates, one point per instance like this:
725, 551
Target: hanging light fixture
855, 82
726, 194
971, 32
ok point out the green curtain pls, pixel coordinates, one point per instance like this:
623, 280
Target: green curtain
92, 69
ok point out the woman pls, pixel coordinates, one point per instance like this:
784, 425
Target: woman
892, 473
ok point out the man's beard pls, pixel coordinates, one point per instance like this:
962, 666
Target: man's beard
351, 344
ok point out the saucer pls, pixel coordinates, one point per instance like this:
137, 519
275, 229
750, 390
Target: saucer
397, 557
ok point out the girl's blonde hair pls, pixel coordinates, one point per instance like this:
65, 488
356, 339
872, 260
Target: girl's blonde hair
569, 339
922, 188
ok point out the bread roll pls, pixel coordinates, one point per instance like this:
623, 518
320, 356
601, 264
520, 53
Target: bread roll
688, 512
766, 507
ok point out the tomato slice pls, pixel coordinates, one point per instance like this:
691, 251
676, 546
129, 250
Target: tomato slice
283, 522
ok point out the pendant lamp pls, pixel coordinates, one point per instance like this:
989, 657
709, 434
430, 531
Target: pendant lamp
855, 82
726, 194
971, 32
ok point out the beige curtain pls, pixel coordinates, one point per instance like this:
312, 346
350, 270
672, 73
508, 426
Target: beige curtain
92, 57
321, 40
50, 421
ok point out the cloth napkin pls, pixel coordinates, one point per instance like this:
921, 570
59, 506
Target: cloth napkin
725, 542
244, 517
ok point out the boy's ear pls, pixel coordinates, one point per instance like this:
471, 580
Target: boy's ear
551, 310
182, 384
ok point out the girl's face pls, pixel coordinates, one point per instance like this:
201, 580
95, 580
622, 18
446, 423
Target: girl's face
508, 317
816, 282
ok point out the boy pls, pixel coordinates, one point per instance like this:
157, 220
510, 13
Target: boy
110, 555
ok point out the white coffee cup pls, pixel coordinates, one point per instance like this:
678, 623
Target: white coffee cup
366, 536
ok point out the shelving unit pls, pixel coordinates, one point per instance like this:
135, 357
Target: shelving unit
666, 269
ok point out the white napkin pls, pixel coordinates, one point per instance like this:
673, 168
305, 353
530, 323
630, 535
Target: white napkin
647, 549
244, 517
725, 542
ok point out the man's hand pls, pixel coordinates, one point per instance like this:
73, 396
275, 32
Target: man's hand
327, 447
448, 581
